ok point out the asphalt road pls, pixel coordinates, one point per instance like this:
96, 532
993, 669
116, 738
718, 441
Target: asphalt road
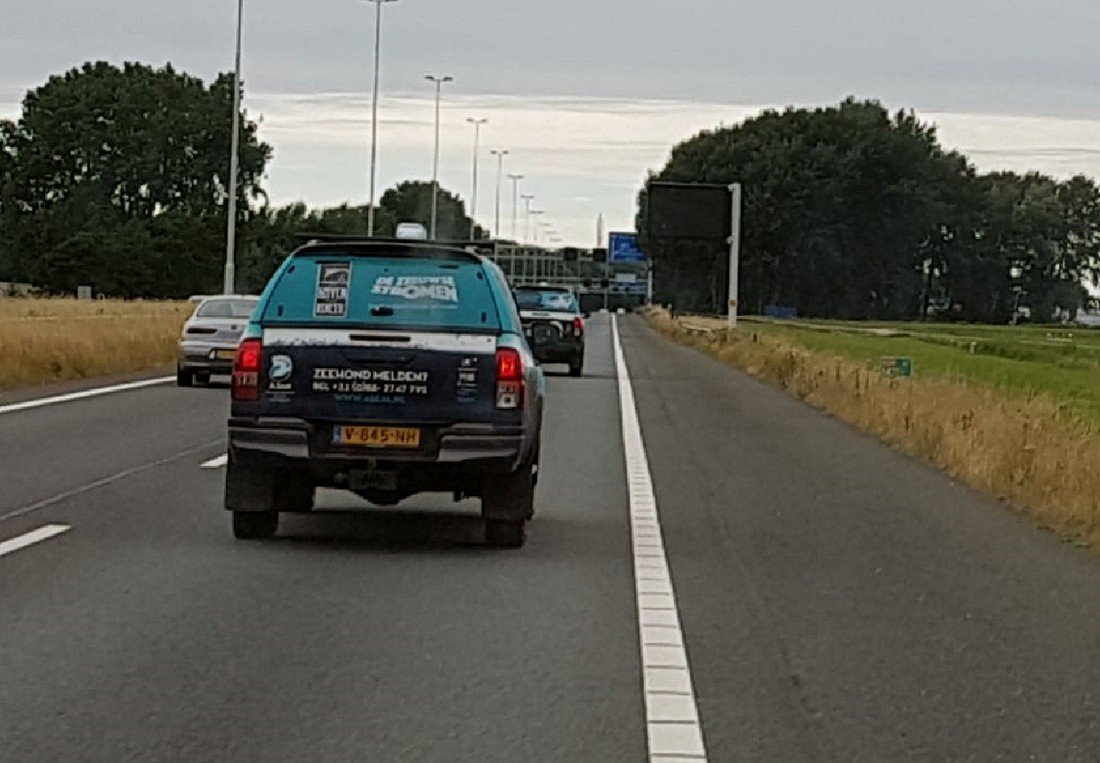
837, 601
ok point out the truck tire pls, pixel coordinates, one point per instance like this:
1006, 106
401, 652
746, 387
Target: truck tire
501, 533
509, 497
184, 377
294, 492
250, 525
576, 366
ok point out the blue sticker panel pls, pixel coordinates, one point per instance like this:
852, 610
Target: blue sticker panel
623, 247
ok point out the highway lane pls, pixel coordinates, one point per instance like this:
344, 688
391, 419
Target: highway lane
838, 601
843, 602
147, 632
52, 450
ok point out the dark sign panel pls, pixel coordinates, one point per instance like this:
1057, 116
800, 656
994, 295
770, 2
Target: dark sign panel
689, 211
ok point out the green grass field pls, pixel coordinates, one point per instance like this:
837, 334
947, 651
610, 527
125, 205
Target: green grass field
1056, 362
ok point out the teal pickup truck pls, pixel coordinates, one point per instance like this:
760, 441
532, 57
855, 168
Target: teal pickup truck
385, 368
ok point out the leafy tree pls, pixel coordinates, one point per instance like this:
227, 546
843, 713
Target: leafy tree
8, 210
852, 212
839, 203
105, 150
411, 201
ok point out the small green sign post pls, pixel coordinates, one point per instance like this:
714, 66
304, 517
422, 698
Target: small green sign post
897, 367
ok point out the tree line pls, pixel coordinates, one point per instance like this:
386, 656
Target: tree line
116, 177
853, 212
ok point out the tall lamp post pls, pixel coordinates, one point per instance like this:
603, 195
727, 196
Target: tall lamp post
535, 231
499, 154
477, 123
374, 112
439, 82
527, 199
229, 284
515, 203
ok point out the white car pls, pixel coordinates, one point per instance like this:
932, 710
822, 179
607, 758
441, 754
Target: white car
210, 337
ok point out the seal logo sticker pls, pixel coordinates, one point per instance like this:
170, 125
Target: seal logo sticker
282, 368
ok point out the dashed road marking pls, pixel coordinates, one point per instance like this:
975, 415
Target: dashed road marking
216, 463
97, 392
672, 714
125, 474
29, 539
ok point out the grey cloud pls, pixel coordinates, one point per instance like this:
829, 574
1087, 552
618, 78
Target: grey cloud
975, 55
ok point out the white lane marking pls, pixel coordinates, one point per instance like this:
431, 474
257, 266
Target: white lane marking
216, 463
97, 392
29, 539
107, 481
672, 714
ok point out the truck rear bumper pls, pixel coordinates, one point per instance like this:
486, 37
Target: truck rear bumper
558, 352
308, 443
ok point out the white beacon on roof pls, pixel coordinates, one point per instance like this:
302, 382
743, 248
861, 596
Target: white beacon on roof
412, 232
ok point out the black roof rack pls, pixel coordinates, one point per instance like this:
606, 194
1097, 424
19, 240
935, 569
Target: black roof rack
342, 244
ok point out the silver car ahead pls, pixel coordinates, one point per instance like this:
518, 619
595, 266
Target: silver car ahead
210, 338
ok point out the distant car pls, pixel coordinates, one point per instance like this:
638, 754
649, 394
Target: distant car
210, 337
386, 369
553, 325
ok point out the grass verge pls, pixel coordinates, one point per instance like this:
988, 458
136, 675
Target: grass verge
51, 340
1026, 450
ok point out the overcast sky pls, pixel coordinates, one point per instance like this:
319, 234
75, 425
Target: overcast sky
589, 94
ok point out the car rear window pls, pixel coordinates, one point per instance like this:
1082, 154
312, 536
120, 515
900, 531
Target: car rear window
531, 299
384, 292
227, 308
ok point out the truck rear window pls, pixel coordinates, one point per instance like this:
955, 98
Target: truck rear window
550, 299
383, 292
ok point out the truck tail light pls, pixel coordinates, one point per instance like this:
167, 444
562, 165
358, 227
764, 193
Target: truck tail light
246, 370
509, 379
578, 326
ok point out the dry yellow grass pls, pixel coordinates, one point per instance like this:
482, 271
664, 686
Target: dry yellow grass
49, 340
1021, 451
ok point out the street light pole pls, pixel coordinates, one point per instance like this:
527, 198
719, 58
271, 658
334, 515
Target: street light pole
439, 82
229, 284
477, 123
499, 154
538, 223
515, 202
374, 112
527, 199
535, 227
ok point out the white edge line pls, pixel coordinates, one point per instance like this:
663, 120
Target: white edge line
29, 539
97, 392
216, 463
673, 728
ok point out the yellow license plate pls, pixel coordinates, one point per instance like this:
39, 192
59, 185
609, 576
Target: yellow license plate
224, 354
376, 437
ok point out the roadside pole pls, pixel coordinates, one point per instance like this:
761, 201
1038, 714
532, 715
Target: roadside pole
229, 280
735, 253
607, 281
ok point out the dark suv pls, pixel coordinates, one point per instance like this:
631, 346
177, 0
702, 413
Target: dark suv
386, 369
553, 325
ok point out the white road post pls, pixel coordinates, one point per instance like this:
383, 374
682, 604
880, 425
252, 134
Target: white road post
735, 253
